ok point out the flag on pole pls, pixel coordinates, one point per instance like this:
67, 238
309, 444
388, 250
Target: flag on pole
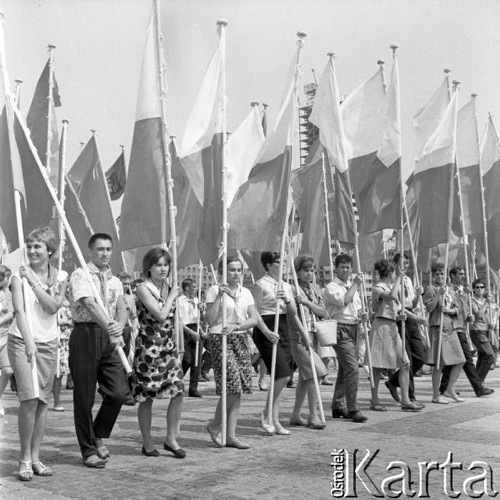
89, 181
189, 212
144, 214
202, 149
77, 218
490, 161
433, 180
326, 115
243, 146
116, 177
371, 117
429, 116
38, 123
469, 169
259, 209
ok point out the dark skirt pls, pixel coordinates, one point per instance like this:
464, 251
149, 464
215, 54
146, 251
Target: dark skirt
265, 346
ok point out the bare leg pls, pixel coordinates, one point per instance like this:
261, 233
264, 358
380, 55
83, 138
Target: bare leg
262, 375
376, 379
174, 413
404, 383
300, 396
144, 416
436, 380
38, 430
279, 385
56, 390
233, 407
4, 380
454, 374
26, 424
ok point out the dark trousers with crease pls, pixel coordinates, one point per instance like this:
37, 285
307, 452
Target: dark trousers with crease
92, 360
189, 359
469, 367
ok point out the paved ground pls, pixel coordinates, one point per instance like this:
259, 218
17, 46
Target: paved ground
291, 467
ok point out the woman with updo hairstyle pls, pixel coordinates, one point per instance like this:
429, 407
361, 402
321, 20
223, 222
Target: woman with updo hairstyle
241, 317
385, 343
33, 343
156, 366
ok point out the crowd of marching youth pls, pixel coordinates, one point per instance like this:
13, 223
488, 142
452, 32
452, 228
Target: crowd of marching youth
122, 337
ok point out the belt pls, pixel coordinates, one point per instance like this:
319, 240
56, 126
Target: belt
350, 325
87, 323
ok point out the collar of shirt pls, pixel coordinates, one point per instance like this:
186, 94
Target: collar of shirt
106, 273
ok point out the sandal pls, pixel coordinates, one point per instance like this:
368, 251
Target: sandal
377, 407
41, 470
27, 473
411, 407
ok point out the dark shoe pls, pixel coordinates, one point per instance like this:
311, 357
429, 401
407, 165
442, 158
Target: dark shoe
94, 462
315, 425
263, 387
194, 394
298, 422
393, 390
357, 416
236, 443
178, 453
290, 384
204, 376
153, 453
325, 381
484, 392
340, 413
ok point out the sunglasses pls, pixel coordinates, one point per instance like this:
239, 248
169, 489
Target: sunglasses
479, 286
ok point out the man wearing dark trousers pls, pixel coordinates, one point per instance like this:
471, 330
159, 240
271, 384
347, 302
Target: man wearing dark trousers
189, 312
92, 355
460, 296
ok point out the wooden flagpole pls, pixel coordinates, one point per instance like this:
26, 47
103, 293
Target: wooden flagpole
300, 44
198, 342
60, 226
221, 28
327, 214
50, 100
61, 186
17, 90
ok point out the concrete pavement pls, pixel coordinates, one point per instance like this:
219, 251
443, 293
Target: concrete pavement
291, 467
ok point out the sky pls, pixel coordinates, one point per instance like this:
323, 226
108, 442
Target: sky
99, 47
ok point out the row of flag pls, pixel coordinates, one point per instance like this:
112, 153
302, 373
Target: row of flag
236, 192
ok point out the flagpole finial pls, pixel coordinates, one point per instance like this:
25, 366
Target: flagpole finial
380, 62
122, 146
93, 131
394, 48
301, 34
221, 22
447, 71
265, 105
65, 121
50, 46
473, 96
18, 81
254, 103
456, 83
